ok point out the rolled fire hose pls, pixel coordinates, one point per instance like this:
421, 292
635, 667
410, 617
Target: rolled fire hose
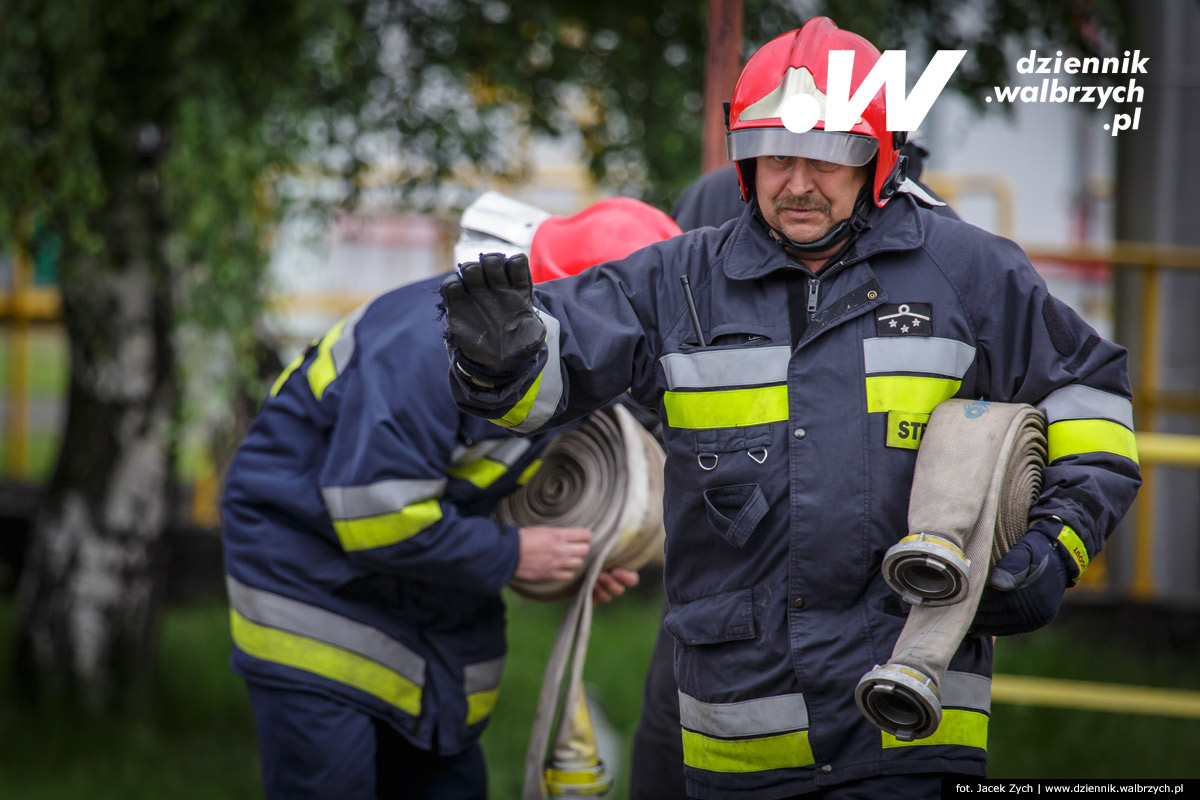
978, 471
607, 476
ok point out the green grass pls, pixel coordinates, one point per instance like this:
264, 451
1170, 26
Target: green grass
196, 742
1029, 742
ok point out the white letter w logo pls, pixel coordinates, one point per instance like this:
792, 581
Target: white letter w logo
903, 113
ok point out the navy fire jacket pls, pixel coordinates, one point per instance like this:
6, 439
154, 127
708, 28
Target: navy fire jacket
790, 463
359, 557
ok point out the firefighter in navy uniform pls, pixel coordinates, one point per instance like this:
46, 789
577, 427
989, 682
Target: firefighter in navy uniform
783, 399
656, 763
363, 571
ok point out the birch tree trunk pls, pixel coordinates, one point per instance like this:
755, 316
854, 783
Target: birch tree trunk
89, 593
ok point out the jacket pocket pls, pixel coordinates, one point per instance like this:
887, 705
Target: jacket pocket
727, 617
735, 511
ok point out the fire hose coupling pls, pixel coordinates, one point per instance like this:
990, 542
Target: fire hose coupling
927, 568
900, 700
574, 768
577, 779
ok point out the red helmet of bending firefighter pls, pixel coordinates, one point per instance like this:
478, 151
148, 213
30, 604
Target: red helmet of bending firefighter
606, 231
797, 63
559, 247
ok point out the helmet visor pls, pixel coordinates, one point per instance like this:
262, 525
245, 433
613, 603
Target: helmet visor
849, 149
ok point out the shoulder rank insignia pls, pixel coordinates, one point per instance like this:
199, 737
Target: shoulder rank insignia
905, 319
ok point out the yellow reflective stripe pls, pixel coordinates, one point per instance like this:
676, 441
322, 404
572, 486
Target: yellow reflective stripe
728, 409
384, 529
966, 728
322, 370
287, 373
529, 472
520, 411
1077, 436
480, 705
1069, 539
482, 473
326, 660
746, 755
907, 393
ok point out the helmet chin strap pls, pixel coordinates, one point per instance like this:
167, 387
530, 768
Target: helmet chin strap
841, 232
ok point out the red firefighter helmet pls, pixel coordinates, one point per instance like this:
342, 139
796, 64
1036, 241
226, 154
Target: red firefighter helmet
604, 231
798, 63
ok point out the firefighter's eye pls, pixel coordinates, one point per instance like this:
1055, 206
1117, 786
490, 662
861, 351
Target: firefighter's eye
782, 161
823, 166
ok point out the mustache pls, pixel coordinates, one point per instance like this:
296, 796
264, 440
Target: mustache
803, 203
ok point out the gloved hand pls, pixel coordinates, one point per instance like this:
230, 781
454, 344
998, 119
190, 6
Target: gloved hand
490, 317
1026, 586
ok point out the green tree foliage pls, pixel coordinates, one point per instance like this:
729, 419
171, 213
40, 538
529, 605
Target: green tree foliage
211, 101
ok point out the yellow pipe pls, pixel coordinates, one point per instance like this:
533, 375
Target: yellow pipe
1168, 448
1142, 587
18, 360
1080, 695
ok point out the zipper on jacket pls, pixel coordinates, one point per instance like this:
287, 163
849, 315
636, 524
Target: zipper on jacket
814, 286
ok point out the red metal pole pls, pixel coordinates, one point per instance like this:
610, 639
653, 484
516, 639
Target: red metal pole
722, 65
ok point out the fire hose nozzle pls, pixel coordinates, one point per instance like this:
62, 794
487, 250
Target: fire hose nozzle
927, 568
577, 779
900, 700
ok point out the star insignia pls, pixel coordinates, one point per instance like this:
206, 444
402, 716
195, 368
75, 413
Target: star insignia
892, 323
904, 329
916, 323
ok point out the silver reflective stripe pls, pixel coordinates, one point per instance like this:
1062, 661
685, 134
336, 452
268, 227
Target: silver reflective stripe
503, 451
468, 455
741, 367
343, 348
384, 497
509, 451
483, 676
787, 712
283, 613
1084, 402
550, 391
916, 190
966, 690
918, 354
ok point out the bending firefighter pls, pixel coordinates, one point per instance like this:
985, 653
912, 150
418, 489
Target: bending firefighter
364, 572
794, 373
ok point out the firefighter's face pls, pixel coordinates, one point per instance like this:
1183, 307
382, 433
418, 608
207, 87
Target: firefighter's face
805, 198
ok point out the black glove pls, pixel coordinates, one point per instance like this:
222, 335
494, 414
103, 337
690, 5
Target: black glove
1026, 586
490, 317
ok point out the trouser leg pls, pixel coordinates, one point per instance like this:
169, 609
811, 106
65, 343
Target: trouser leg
313, 748
656, 771
406, 773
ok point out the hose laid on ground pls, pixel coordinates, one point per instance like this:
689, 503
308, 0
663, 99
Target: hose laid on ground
978, 471
605, 475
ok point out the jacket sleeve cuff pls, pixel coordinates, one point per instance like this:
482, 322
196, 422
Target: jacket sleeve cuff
1067, 543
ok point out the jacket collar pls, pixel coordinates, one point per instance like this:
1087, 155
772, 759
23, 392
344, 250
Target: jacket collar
753, 254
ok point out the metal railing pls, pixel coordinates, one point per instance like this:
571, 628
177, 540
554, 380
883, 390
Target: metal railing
1155, 449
